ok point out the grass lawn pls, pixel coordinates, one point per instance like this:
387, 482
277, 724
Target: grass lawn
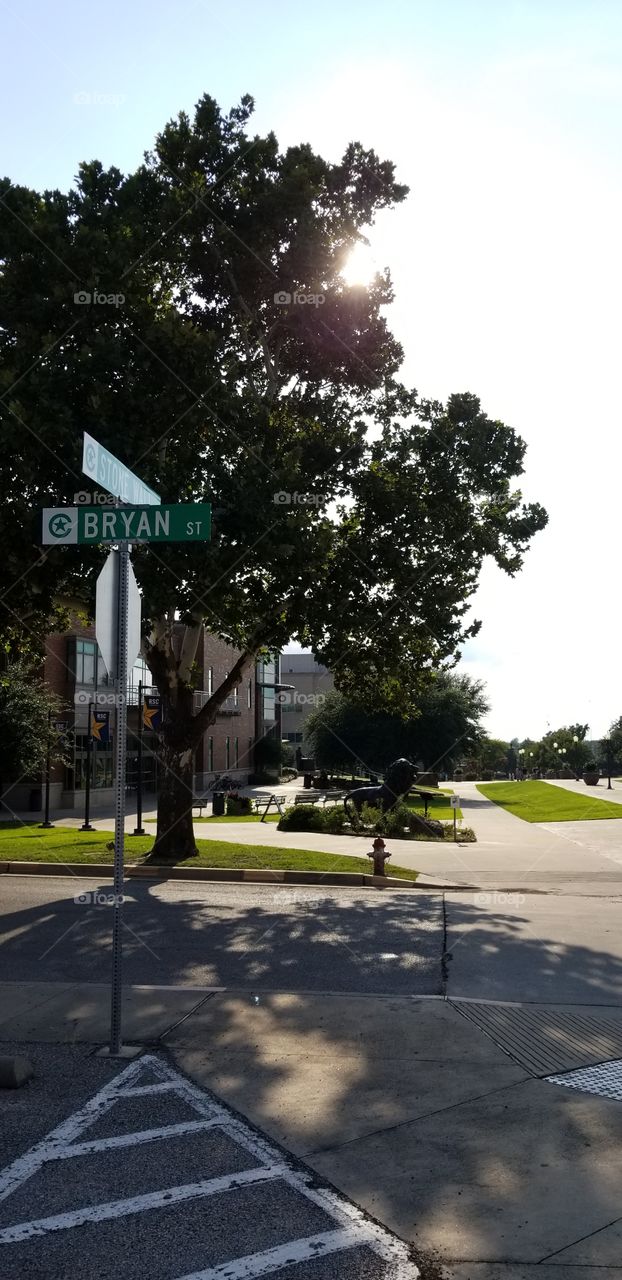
438, 807
541, 802
28, 843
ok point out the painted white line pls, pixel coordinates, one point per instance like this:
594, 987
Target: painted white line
162, 1199
143, 1090
134, 1139
24, 1167
283, 1255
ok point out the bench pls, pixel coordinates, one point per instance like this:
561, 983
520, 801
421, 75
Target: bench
200, 802
307, 797
312, 797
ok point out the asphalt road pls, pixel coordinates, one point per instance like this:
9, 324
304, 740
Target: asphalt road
484, 944
242, 936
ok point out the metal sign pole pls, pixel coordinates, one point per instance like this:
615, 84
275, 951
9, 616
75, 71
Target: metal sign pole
87, 825
46, 817
119, 829
139, 830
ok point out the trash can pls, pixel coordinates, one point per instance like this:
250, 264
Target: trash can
35, 800
218, 804
308, 781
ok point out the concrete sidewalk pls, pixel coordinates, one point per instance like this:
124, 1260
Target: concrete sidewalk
407, 1105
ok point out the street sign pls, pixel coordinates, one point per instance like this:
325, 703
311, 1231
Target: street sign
107, 611
454, 802
106, 470
181, 522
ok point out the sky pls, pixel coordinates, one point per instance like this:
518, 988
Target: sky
505, 121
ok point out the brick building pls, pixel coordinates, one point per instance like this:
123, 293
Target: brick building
75, 671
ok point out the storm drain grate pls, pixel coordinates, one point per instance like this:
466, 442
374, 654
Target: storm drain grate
605, 1080
546, 1039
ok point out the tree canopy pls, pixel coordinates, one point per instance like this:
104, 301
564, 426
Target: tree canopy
344, 735
192, 316
25, 707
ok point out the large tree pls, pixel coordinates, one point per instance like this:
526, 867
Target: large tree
193, 317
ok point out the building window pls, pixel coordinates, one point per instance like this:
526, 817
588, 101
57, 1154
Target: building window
236, 752
101, 764
227, 753
210, 754
249, 694
210, 680
82, 657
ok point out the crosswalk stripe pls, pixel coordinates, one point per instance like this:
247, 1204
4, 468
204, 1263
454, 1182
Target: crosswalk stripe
162, 1199
283, 1255
134, 1139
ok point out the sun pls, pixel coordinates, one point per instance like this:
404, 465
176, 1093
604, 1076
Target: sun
359, 266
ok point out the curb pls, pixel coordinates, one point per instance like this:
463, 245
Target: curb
237, 875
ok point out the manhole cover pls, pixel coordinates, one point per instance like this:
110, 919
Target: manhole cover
545, 1039
604, 1080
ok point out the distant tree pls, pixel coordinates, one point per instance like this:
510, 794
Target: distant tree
568, 751
25, 707
493, 755
344, 735
615, 741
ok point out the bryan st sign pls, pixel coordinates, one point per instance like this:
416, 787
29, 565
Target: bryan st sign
183, 522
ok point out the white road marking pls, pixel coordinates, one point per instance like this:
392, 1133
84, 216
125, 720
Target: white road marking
353, 1229
24, 1167
134, 1139
283, 1255
138, 1204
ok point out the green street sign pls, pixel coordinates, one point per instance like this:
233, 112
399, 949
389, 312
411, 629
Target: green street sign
182, 522
112, 474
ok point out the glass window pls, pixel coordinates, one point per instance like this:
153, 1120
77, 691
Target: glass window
249, 694
101, 764
210, 754
227, 753
82, 660
236, 752
210, 680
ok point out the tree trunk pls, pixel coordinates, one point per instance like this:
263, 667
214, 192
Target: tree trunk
175, 833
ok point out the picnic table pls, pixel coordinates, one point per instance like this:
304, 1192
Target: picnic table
264, 802
424, 793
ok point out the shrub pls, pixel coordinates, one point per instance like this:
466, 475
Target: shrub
371, 816
302, 817
334, 818
238, 805
395, 821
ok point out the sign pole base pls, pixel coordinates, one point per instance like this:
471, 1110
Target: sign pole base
124, 1051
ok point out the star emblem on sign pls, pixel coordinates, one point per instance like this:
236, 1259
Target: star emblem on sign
149, 714
96, 728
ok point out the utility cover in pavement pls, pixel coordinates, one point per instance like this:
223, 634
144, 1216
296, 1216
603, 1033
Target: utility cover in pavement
209, 1198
